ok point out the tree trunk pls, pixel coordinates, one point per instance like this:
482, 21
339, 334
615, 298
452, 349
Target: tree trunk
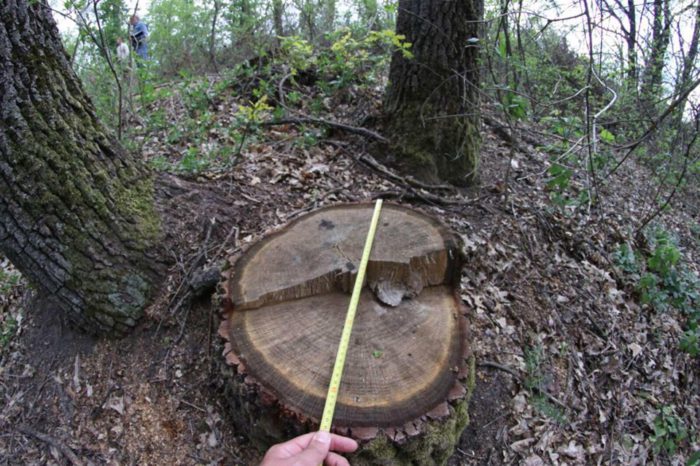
661, 36
432, 101
689, 65
369, 14
631, 39
77, 211
409, 371
212, 36
329, 11
278, 17
629, 32
307, 19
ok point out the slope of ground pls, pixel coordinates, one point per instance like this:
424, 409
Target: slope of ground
571, 369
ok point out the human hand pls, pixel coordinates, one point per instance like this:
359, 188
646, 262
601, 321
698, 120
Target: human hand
310, 449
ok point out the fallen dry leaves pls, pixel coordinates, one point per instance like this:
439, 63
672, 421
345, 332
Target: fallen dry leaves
574, 368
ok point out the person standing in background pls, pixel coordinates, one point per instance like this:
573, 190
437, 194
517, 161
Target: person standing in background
122, 52
139, 34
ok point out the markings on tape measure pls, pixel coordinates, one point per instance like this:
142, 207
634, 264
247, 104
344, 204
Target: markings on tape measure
334, 386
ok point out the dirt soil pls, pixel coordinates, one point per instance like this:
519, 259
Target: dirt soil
571, 369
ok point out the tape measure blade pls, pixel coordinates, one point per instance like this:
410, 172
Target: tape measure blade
336, 377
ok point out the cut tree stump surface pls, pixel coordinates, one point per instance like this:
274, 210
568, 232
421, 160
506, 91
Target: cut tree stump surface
285, 301
320, 253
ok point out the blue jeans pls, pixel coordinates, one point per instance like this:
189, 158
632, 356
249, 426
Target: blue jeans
142, 50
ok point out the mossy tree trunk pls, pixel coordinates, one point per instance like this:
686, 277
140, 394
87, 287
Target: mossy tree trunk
278, 17
432, 101
652, 79
77, 213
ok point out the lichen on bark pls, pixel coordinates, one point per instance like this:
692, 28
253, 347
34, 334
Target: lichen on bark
78, 213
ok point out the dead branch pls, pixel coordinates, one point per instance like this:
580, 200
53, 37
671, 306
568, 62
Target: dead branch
408, 180
519, 378
680, 98
319, 121
427, 198
681, 179
60, 446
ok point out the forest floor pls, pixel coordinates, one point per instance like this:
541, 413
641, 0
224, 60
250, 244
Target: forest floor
571, 368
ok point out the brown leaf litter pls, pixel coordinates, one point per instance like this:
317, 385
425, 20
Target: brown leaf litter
571, 369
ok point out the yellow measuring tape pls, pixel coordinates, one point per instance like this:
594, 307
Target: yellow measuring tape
334, 385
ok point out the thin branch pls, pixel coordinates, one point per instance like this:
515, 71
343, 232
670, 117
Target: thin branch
319, 121
681, 178
60, 446
520, 380
681, 98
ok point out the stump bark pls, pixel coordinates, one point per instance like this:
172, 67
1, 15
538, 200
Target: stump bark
409, 371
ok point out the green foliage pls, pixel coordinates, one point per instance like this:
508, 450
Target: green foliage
351, 58
666, 282
559, 183
297, 52
8, 280
9, 321
113, 19
665, 255
196, 94
514, 104
669, 431
178, 35
606, 136
252, 114
626, 259
8, 329
99, 83
535, 381
694, 459
192, 162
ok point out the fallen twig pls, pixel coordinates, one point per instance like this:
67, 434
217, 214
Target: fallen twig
519, 378
60, 446
333, 124
373, 163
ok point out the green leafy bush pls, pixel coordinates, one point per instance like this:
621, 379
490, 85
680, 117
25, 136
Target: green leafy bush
534, 382
666, 283
669, 431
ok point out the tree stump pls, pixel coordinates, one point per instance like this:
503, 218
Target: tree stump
409, 371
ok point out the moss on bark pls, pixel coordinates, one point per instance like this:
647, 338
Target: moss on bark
432, 100
78, 212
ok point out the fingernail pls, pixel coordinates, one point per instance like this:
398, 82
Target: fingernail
322, 437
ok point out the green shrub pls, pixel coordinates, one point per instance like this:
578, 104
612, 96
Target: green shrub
667, 283
669, 431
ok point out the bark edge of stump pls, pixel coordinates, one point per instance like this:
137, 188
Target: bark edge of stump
428, 438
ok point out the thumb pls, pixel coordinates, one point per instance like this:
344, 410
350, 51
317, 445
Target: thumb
316, 451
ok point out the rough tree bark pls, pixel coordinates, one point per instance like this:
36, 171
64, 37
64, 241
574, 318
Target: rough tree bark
212, 36
77, 215
409, 371
278, 17
689, 66
652, 79
631, 39
432, 101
